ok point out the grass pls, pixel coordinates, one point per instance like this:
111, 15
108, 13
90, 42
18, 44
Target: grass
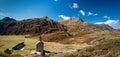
10, 41
8, 55
110, 48
54, 37
109, 44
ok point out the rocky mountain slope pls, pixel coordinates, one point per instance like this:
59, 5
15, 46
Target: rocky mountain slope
77, 25
29, 26
46, 25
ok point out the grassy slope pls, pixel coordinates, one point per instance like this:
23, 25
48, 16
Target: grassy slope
11, 40
106, 43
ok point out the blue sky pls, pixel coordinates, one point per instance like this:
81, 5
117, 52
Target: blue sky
93, 11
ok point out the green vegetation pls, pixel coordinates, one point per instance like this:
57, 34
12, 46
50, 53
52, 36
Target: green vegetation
9, 55
7, 51
10, 41
102, 44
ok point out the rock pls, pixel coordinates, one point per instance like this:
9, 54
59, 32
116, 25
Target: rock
30, 26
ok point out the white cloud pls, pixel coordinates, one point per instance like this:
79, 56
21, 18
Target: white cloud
107, 17
55, 0
90, 13
95, 14
64, 17
75, 5
82, 12
99, 23
112, 23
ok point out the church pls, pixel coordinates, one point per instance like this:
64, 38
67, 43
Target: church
40, 45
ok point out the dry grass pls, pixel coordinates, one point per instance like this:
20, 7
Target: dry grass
11, 40
101, 43
107, 44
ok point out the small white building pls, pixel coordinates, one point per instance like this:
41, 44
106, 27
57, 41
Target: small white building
40, 45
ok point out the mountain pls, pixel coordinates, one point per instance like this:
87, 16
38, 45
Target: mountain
8, 19
29, 26
77, 25
45, 25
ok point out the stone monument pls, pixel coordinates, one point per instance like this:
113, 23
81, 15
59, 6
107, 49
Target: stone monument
40, 45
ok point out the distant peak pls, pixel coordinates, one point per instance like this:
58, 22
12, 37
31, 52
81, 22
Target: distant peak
44, 17
7, 19
77, 19
72, 21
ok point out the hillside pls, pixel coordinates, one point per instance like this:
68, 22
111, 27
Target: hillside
10, 26
68, 38
42, 25
50, 30
77, 25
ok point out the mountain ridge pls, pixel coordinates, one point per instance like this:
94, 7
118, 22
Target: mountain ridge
30, 26
77, 25
44, 25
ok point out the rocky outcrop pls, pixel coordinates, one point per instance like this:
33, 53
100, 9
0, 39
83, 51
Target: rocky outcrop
29, 26
72, 21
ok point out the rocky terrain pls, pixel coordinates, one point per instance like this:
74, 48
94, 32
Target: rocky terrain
68, 38
9, 26
77, 25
